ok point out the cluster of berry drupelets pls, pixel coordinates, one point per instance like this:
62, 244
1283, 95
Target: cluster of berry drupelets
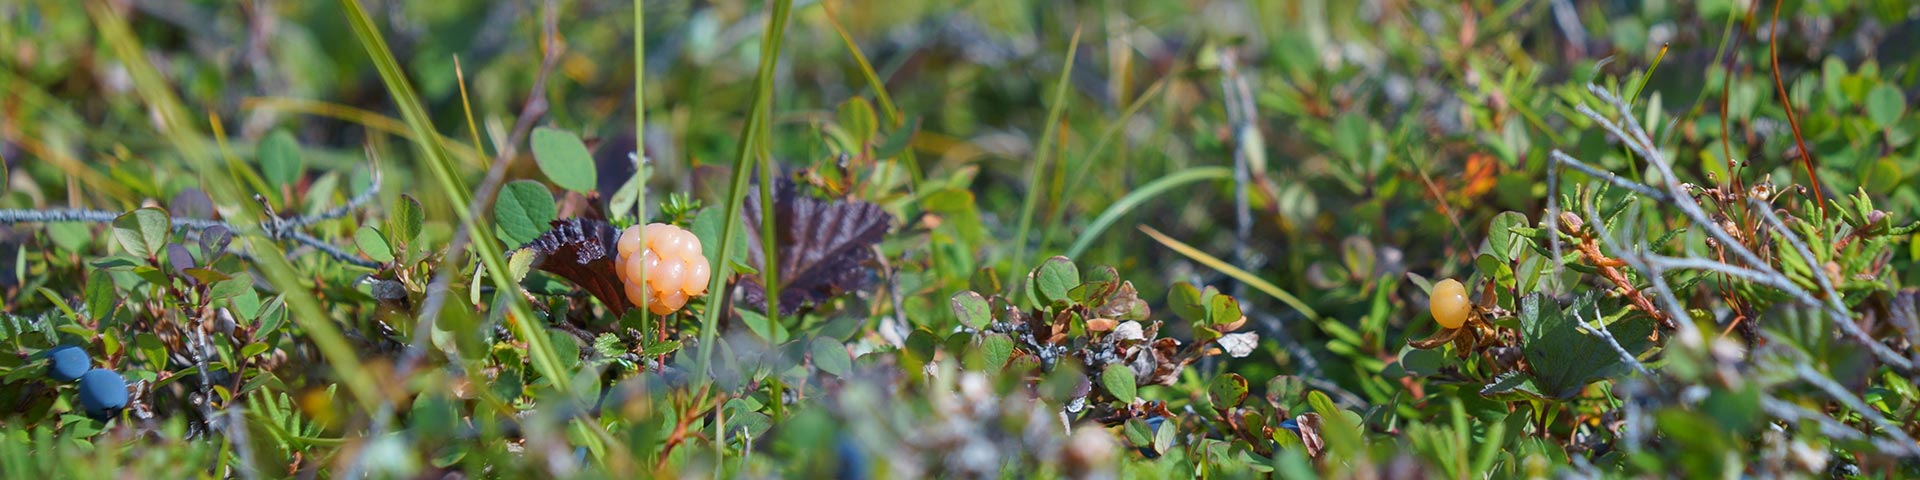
102, 392
676, 270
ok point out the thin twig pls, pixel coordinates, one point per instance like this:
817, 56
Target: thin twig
1840, 393
1599, 329
1835, 309
275, 227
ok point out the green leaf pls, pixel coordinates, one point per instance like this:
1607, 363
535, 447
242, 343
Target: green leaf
519, 264
1502, 237
660, 348
1185, 300
856, 116
1223, 309
1054, 278
1138, 433
1564, 356
707, 225
229, 288
564, 159
995, 350
143, 232
99, 295
72, 237
972, 310
1163, 439
524, 210
831, 357
404, 222
1885, 105
280, 160
254, 348
1510, 382
1227, 391
1118, 380
374, 244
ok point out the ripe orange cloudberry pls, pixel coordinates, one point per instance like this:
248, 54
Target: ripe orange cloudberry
676, 270
1449, 303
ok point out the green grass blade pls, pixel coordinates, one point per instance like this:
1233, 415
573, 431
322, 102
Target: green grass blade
1037, 176
1141, 196
1227, 268
737, 189
1085, 166
415, 113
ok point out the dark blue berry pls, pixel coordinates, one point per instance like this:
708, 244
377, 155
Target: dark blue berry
853, 462
102, 393
66, 363
1290, 424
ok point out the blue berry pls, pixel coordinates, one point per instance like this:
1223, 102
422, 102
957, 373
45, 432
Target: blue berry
66, 363
1291, 424
853, 462
102, 393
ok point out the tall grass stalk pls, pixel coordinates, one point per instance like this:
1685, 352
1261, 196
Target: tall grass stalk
524, 324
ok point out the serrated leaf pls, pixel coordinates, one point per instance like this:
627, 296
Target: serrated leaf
660, 348
608, 345
564, 159
1227, 391
143, 231
831, 357
374, 244
523, 211
1054, 278
1510, 382
824, 247
280, 162
583, 252
519, 264
1119, 381
1562, 355
971, 309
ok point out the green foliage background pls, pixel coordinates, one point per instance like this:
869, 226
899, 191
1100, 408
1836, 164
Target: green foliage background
1310, 166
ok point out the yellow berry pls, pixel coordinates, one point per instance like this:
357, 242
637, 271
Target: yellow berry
629, 241
663, 272
697, 278
1449, 303
669, 276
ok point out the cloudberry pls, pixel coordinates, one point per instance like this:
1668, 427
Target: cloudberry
676, 270
1449, 303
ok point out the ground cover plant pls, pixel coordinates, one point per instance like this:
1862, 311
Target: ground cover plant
999, 238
